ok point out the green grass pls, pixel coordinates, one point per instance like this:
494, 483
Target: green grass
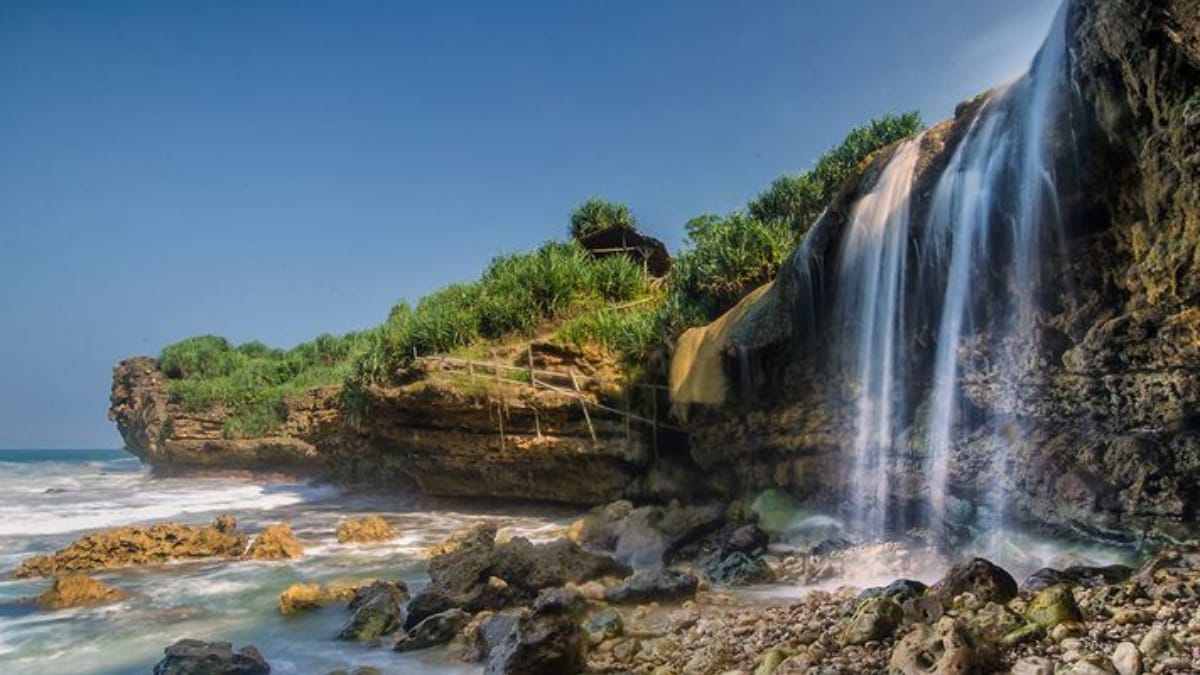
517, 295
251, 381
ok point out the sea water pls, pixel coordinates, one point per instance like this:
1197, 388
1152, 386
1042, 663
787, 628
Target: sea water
48, 498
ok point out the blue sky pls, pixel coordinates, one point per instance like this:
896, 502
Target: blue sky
275, 170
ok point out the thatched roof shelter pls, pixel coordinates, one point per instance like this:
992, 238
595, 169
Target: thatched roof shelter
647, 251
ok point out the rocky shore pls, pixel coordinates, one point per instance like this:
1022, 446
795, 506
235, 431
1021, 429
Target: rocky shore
695, 590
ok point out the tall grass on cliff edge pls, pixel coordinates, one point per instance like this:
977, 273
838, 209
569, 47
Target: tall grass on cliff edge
517, 295
251, 381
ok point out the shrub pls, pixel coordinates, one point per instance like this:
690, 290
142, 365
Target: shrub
595, 215
727, 258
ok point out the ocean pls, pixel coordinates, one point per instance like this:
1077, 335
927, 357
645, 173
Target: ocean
48, 498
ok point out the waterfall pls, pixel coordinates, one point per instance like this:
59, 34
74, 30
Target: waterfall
998, 187
981, 232
871, 282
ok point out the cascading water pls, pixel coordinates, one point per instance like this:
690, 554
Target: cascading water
871, 277
992, 207
998, 187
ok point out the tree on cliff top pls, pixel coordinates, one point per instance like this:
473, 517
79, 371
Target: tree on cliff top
597, 215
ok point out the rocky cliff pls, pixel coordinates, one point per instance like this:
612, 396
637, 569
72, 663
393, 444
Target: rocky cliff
1095, 409
446, 433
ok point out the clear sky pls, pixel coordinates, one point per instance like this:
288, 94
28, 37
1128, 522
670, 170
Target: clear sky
275, 170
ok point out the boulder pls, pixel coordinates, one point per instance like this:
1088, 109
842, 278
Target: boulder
276, 542
751, 540
434, 630
1033, 665
899, 590
378, 610
193, 657
653, 586
874, 619
300, 597
948, 648
737, 569
76, 590
994, 621
1090, 665
491, 632
482, 575
984, 580
1052, 606
646, 536
1079, 575
546, 641
365, 530
140, 545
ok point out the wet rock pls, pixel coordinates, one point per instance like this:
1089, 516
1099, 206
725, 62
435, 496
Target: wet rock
481, 575
647, 536
1052, 606
653, 586
748, 539
480, 534
945, 649
193, 657
899, 590
738, 569
123, 546
565, 601
1087, 577
875, 619
1127, 660
604, 626
491, 633
361, 670
435, 630
545, 641
301, 597
830, 546
365, 530
77, 590
1026, 633
977, 576
378, 611
276, 542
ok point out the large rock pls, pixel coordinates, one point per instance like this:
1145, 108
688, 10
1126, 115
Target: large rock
546, 641
76, 590
483, 575
986, 581
193, 657
653, 586
139, 545
434, 630
378, 611
276, 542
301, 597
1052, 606
365, 530
948, 648
874, 619
738, 569
646, 536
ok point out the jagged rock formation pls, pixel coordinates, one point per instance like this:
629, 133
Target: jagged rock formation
1095, 409
451, 435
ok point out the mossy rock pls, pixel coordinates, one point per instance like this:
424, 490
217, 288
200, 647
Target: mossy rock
1052, 606
875, 619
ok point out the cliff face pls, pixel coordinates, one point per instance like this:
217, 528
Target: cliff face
1100, 426
448, 436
